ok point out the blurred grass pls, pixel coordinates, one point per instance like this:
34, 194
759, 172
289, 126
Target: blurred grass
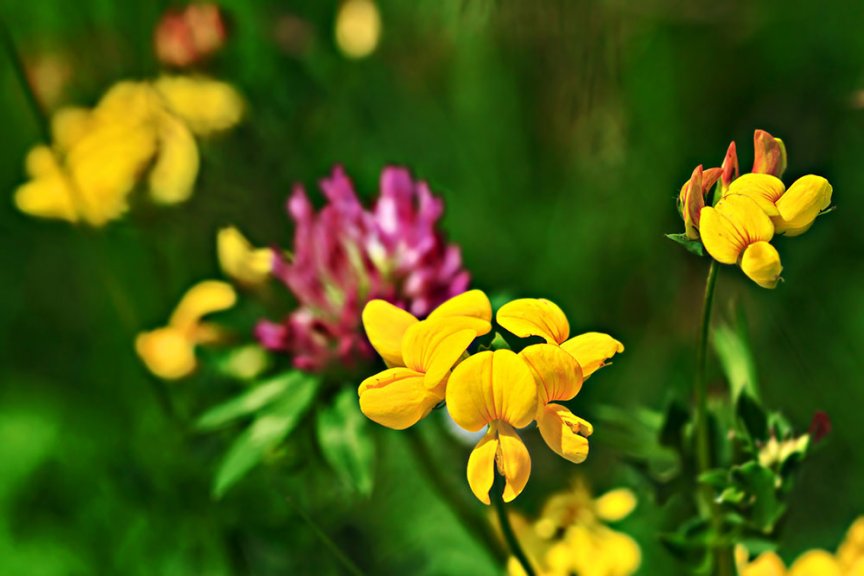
558, 133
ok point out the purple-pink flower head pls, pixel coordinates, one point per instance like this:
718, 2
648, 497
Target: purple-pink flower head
345, 255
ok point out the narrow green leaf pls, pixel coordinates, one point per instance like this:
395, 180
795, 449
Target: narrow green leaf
346, 442
736, 359
249, 402
692, 246
752, 416
271, 426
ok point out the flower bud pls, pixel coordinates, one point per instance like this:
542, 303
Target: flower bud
769, 154
187, 37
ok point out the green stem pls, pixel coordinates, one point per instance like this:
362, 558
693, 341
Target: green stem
497, 497
475, 524
341, 557
722, 553
21, 74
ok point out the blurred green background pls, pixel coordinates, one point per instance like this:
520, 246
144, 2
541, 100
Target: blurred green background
558, 132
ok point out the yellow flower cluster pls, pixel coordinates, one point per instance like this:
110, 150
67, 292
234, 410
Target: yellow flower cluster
848, 560
137, 130
571, 537
752, 209
500, 390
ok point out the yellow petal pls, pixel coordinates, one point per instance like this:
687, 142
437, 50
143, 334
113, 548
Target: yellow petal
615, 505
385, 326
764, 189
557, 373
471, 304
358, 28
815, 563
239, 260
491, 386
766, 564
801, 204
513, 461
564, 432
592, 350
434, 346
481, 466
397, 398
205, 105
47, 197
41, 161
172, 178
731, 225
534, 317
69, 125
761, 263
202, 299
167, 353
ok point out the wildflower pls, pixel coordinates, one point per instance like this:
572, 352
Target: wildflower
419, 355
494, 389
191, 35
691, 199
571, 536
737, 231
792, 211
346, 255
240, 261
100, 155
358, 28
769, 154
169, 352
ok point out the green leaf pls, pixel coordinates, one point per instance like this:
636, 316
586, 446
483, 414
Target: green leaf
692, 246
346, 442
250, 401
265, 433
760, 484
736, 359
717, 478
753, 417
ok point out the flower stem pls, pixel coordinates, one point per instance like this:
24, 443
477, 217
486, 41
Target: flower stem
340, 556
722, 553
496, 495
475, 524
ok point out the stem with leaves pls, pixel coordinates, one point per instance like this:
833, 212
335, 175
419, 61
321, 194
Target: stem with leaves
722, 553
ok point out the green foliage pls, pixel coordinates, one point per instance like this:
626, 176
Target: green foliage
273, 422
692, 246
345, 438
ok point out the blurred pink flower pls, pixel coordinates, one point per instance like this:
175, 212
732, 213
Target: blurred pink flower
345, 255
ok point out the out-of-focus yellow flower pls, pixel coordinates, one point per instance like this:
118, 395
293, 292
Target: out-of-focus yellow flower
240, 261
358, 28
570, 536
792, 211
205, 105
494, 389
737, 231
420, 355
848, 561
100, 155
775, 453
169, 352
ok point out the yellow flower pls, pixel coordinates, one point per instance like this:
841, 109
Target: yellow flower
540, 317
419, 354
792, 211
737, 231
358, 28
240, 261
99, 156
850, 554
494, 389
169, 352
570, 536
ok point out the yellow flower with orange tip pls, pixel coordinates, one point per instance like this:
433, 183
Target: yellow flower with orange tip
494, 389
737, 231
769, 154
559, 368
169, 352
691, 199
419, 355
241, 261
792, 211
